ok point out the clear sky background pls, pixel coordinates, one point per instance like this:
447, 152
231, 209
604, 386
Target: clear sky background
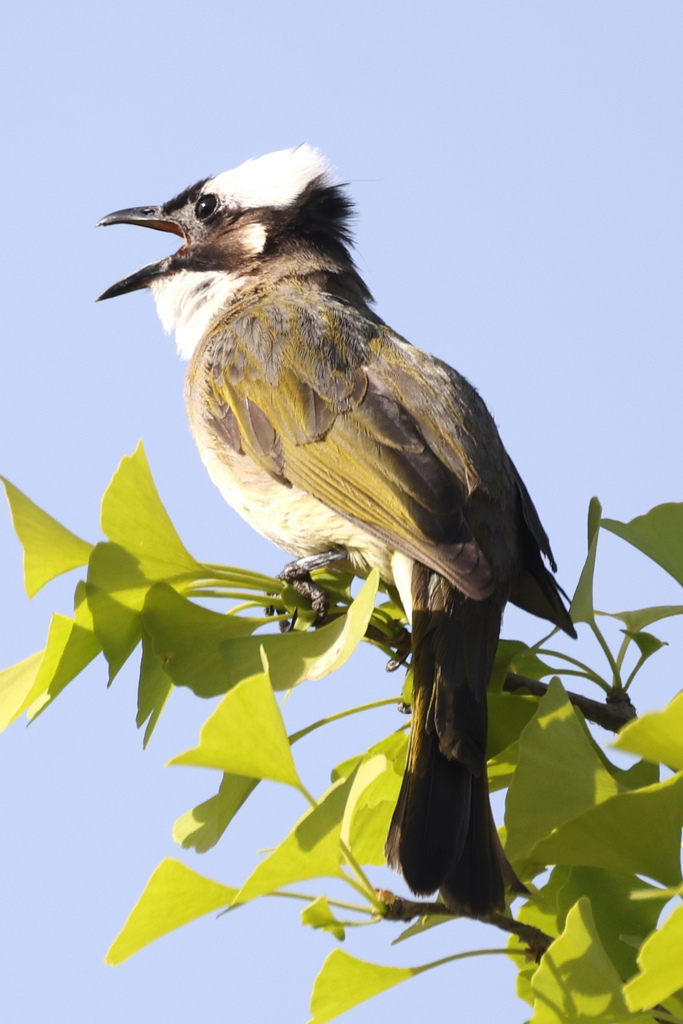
517, 167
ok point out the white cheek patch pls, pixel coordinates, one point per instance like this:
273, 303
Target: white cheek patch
253, 238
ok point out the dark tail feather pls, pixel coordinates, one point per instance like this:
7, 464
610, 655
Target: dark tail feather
442, 834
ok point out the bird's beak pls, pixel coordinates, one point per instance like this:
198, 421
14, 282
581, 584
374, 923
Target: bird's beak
146, 217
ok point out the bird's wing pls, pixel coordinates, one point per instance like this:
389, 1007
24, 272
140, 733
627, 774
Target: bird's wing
353, 426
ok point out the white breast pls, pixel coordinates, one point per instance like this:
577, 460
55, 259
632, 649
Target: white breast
189, 301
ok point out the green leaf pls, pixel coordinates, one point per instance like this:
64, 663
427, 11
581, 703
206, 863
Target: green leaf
49, 548
558, 775
345, 982
187, 639
658, 534
661, 965
394, 747
311, 850
36, 681
173, 896
643, 617
515, 656
509, 713
636, 831
542, 912
421, 925
576, 982
134, 518
657, 736
318, 915
245, 735
154, 689
210, 653
294, 657
582, 609
70, 649
203, 826
16, 683
646, 643
614, 912
370, 808
116, 590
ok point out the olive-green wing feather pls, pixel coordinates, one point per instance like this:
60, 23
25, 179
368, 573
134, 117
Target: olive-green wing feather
330, 418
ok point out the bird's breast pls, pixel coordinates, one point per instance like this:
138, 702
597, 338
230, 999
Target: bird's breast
283, 513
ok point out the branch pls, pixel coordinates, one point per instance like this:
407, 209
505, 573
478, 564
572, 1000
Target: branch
399, 909
612, 715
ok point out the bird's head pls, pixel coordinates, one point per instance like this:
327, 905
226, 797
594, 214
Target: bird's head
277, 207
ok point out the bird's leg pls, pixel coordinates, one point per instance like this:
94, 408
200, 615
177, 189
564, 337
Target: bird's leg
298, 575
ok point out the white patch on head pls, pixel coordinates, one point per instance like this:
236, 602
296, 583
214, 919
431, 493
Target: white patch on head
190, 300
275, 179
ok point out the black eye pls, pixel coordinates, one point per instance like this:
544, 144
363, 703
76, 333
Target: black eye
205, 207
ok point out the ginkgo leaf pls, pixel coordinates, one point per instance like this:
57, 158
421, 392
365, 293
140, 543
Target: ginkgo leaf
173, 896
49, 548
245, 735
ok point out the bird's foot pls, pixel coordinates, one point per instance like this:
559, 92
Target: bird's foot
298, 575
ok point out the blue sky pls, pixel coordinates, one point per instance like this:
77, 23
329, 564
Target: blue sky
517, 169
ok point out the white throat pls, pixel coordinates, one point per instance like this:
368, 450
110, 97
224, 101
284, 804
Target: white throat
189, 302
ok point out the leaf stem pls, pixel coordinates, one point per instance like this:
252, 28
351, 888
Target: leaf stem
463, 956
340, 904
617, 684
363, 884
385, 702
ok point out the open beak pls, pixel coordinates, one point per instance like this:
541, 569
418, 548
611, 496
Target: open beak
146, 217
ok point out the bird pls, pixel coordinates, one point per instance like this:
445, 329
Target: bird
347, 446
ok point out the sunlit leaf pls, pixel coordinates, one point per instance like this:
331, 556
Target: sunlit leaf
615, 914
245, 735
187, 639
294, 657
370, 807
661, 965
643, 617
501, 768
646, 643
393, 747
134, 517
658, 534
202, 827
558, 775
541, 911
636, 831
576, 981
16, 683
345, 982
173, 896
116, 590
49, 548
509, 713
318, 915
421, 925
515, 656
582, 609
658, 736
154, 689
311, 850
70, 648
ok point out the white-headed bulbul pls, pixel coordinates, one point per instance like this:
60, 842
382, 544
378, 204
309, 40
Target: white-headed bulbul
335, 437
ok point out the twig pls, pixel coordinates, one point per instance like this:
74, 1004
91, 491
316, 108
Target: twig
400, 909
612, 715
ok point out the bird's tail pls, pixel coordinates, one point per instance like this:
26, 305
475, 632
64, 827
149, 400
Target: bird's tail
442, 834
